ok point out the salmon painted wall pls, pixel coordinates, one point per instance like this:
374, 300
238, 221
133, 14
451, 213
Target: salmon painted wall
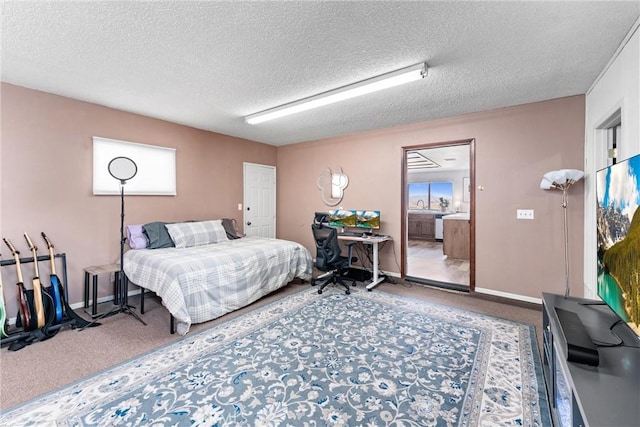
46, 172
514, 147
46, 168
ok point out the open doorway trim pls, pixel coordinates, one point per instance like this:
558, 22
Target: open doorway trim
472, 208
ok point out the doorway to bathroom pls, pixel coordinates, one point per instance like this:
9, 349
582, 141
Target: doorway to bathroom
438, 207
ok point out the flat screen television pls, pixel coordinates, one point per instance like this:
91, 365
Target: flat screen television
369, 220
618, 239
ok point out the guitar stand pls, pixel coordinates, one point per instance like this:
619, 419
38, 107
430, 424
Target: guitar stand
19, 336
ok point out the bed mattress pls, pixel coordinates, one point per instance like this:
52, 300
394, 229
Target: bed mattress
201, 283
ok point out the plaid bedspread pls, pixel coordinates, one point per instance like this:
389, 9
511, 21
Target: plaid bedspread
201, 283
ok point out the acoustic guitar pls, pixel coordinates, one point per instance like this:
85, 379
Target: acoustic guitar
55, 292
23, 301
3, 313
37, 287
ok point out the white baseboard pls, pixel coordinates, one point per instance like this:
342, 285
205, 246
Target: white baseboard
509, 295
386, 273
102, 299
389, 273
80, 305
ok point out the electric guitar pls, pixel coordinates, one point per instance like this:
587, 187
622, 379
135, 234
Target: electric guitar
3, 313
37, 287
55, 292
25, 313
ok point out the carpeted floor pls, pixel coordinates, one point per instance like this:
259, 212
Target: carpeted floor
72, 355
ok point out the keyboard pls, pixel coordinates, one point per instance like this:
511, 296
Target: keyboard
359, 234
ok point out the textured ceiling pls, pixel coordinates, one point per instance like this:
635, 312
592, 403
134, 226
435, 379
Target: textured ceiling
208, 64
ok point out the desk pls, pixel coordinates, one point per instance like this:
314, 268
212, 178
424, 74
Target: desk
374, 241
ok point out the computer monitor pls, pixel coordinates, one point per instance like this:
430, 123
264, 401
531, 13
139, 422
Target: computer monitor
342, 218
368, 220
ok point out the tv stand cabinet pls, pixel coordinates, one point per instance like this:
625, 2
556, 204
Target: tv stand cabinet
584, 395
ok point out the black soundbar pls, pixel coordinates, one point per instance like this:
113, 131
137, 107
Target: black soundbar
580, 348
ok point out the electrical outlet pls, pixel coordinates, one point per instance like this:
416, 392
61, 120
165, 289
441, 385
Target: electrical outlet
524, 214
239, 206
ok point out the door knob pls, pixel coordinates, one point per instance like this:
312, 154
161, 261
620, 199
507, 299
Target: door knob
248, 222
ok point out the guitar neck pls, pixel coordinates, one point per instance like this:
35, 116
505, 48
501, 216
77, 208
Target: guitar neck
34, 251
55, 282
52, 261
35, 263
37, 287
16, 257
51, 256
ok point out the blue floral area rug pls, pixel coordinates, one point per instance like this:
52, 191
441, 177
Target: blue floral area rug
365, 359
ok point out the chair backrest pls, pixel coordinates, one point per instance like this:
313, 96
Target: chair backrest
327, 246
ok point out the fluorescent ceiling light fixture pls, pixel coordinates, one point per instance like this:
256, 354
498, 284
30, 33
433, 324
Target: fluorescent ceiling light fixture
394, 78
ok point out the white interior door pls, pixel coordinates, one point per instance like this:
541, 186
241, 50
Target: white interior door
259, 200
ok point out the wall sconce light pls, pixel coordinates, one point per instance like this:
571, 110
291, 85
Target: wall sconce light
562, 180
384, 81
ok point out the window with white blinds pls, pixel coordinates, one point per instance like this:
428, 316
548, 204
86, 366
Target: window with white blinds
156, 174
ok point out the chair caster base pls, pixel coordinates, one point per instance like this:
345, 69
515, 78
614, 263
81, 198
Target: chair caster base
347, 292
320, 291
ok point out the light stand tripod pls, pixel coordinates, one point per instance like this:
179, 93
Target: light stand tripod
122, 169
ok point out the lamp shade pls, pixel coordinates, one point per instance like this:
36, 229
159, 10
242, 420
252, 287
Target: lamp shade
560, 178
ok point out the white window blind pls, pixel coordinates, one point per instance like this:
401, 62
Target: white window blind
156, 173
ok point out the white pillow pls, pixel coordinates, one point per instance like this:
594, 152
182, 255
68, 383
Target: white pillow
187, 234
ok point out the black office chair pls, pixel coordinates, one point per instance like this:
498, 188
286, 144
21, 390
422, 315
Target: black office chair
329, 258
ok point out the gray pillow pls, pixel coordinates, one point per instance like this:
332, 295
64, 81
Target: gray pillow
157, 235
231, 229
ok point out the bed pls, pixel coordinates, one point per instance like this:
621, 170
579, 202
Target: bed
201, 282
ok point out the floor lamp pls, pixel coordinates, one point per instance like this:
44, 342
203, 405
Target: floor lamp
122, 169
562, 180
